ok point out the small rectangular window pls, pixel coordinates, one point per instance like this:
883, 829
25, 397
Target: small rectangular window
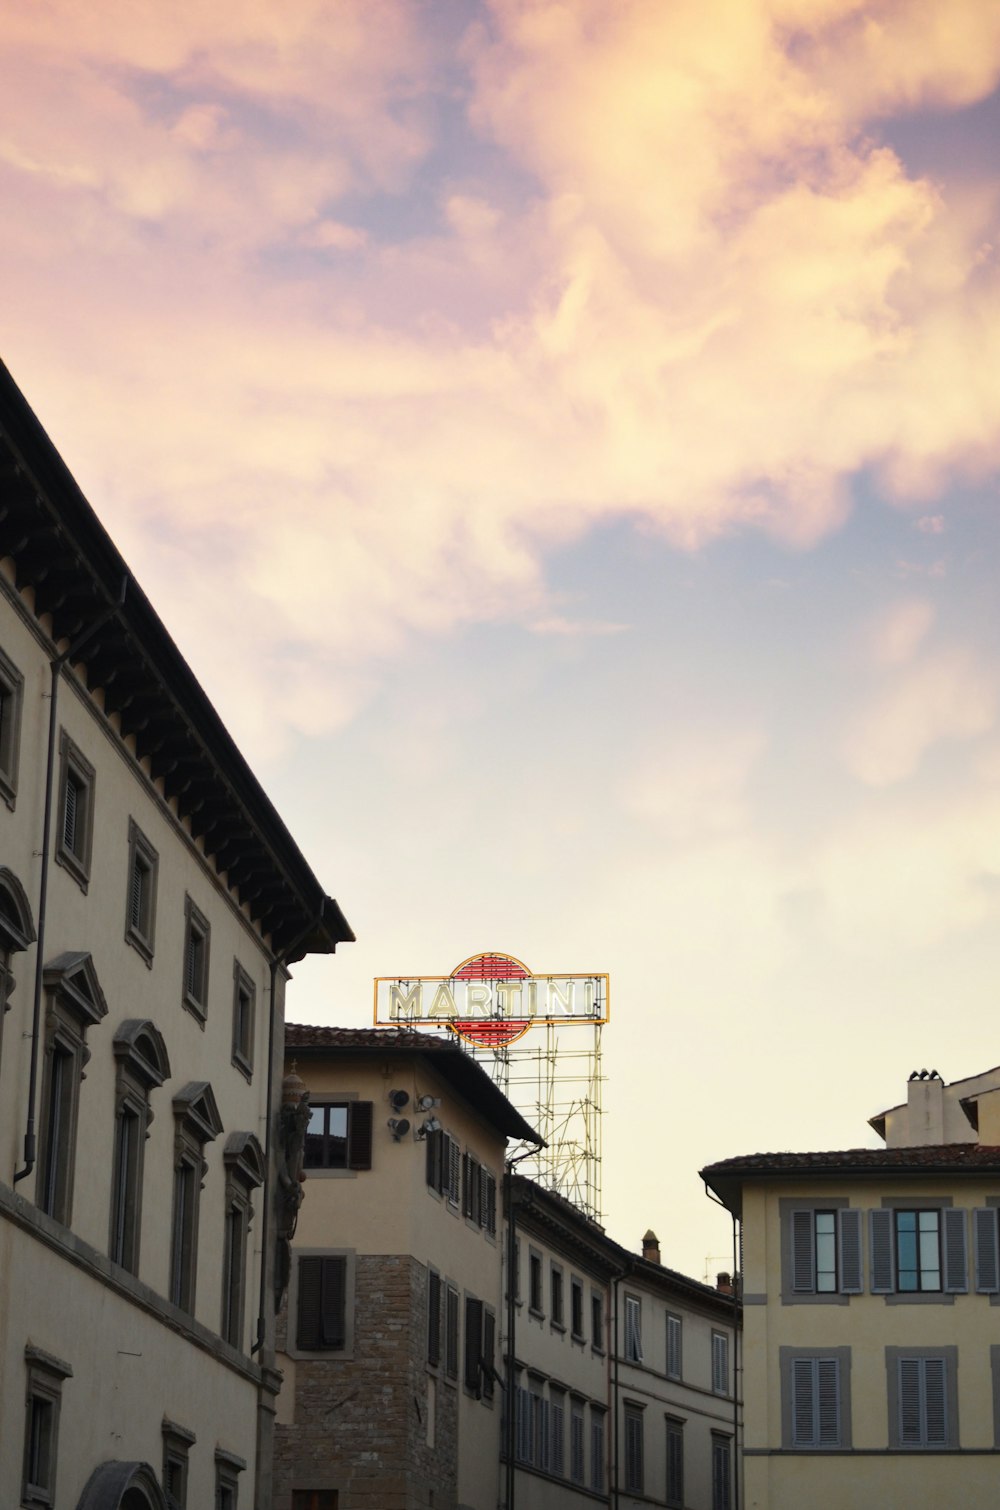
722, 1472
314, 1499
339, 1135
923, 1397
140, 898
535, 1283
720, 1363
197, 936
74, 838
576, 1308
11, 696
556, 1295
597, 1321
451, 1333
674, 1346
184, 1235
244, 1011
675, 1464
41, 1426
322, 1304
576, 1443
633, 1329
433, 1318
596, 1450
918, 1250
634, 1467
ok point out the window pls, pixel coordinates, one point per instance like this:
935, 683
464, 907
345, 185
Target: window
244, 1013
197, 935
196, 1122
177, 1442
75, 833
597, 1321
918, 1252
451, 1333
576, 1309
140, 894
142, 1066
243, 1159
479, 1193
815, 1397
433, 1318
17, 932
321, 1303
556, 1295
923, 1396
576, 1449
535, 1282
634, 1468
557, 1431
339, 1135
11, 695
821, 1251
675, 1464
722, 1472
720, 1363
41, 1425
228, 1468
75, 1003
674, 1346
314, 1499
474, 1361
444, 1164
633, 1329
596, 1449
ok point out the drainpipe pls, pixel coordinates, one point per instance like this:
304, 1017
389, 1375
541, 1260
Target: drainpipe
511, 1371
55, 665
615, 1475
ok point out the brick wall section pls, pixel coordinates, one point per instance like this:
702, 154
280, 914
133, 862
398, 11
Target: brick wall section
361, 1425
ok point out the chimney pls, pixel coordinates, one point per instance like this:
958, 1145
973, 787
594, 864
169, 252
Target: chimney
651, 1247
724, 1283
925, 1108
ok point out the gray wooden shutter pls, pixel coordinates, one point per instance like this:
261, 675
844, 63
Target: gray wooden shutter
473, 1343
803, 1252
935, 1402
489, 1217
321, 1304
883, 1275
984, 1229
433, 1166
803, 1401
489, 1351
956, 1258
433, 1318
310, 1291
332, 1310
827, 1402
910, 1432
849, 1241
359, 1135
451, 1332
454, 1171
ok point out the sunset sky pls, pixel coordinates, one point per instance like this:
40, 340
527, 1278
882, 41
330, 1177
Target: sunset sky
564, 440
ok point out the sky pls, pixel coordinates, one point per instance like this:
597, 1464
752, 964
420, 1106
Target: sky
564, 440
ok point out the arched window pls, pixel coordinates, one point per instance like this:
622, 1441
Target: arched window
17, 932
143, 1066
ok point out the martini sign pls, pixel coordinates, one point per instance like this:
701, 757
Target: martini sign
491, 999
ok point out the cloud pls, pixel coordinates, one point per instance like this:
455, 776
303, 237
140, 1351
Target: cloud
672, 277
901, 630
947, 696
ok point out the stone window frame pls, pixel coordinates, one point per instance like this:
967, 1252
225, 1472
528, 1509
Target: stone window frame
228, 1467
196, 1123
142, 1066
948, 1354
140, 893
46, 1375
243, 1160
197, 957
787, 1359
74, 1003
177, 1443
17, 933
74, 851
343, 1354
244, 1020
11, 703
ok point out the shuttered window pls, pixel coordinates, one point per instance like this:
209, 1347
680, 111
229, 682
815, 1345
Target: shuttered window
721, 1473
489, 1354
339, 1135
473, 1343
923, 1402
987, 1250
576, 1442
451, 1333
633, 1329
557, 1432
433, 1318
720, 1363
596, 1449
816, 1402
634, 1469
826, 1251
321, 1304
919, 1250
674, 1344
675, 1465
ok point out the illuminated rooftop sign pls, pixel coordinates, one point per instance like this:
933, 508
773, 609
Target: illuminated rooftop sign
491, 999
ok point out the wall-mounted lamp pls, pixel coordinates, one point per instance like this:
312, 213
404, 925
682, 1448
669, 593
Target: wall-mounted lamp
399, 1127
424, 1103
431, 1125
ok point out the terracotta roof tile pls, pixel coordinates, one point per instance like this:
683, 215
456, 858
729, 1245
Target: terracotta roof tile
950, 1156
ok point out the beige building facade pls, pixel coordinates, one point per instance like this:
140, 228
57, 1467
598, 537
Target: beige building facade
151, 902
871, 1286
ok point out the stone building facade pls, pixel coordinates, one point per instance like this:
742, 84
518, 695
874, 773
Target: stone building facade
151, 901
